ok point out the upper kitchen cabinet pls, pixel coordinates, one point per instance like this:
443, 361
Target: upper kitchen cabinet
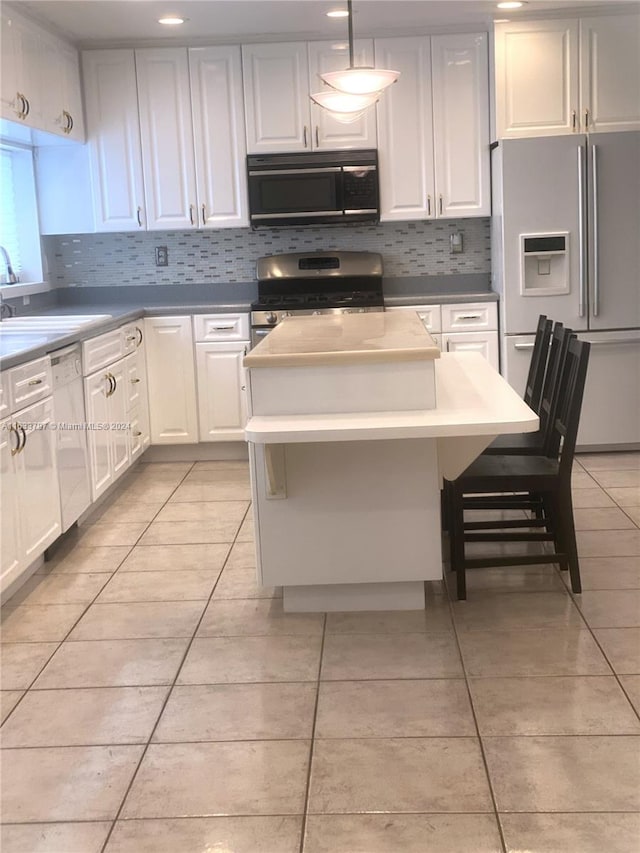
278, 79
610, 72
433, 128
566, 76
40, 82
327, 132
166, 132
276, 94
113, 132
219, 136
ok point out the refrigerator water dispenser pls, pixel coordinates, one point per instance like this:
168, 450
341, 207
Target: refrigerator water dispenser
544, 264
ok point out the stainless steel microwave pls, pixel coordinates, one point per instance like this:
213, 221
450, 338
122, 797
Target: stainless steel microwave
325, 187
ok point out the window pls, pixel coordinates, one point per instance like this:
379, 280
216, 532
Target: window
19, 233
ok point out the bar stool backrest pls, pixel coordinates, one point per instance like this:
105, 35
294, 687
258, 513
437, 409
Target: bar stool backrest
567, 415
551, 388
538, 365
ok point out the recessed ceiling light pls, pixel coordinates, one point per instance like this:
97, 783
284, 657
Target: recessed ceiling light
338, 13
511, 4
171, 20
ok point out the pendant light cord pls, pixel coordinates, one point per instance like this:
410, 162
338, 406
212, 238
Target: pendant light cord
350, 22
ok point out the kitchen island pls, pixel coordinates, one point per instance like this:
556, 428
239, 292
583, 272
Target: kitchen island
354, 420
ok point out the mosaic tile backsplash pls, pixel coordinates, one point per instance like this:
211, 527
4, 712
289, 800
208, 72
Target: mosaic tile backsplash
199, 257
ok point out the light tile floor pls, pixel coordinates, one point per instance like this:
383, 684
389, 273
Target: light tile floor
156, 699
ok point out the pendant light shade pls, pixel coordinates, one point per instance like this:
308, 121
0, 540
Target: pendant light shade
360, 80
343, 106
356, 88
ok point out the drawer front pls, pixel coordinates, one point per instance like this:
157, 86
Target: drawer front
101, 351
429, 314
5, 396
29, 383
470, 316
486, 343
130, 337
221, 327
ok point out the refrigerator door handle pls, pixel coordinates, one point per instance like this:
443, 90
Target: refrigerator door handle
596, 277
581, 233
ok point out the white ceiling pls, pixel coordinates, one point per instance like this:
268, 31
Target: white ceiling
92, 23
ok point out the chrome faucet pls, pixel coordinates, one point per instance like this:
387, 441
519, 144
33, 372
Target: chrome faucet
12, 278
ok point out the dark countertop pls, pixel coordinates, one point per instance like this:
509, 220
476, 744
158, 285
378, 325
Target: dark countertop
127, 304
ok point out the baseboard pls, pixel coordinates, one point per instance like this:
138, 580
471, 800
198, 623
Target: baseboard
203, 452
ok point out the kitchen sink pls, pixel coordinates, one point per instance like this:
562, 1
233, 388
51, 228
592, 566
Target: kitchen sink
60, 323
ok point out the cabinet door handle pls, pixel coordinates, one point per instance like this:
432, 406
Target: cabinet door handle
574, 117
140, 217
28, 109
137, 433
130, 338
448, 345
139, 333
24, 437
14, 429
440, 204
68, 122
304, 135
35, 382
135, 381
22, 112
191, 214
204, 215
111, 380
317, 137
586, 119
428, 205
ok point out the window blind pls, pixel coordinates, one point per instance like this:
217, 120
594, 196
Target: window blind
9, 235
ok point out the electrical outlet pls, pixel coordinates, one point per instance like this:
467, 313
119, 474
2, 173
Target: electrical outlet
162, 256
456, 243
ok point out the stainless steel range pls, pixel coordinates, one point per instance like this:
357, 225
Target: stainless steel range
315, 283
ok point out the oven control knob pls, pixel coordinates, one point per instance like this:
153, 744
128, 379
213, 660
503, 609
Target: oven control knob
271, 318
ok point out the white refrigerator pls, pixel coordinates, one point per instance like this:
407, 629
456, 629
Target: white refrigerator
566, 243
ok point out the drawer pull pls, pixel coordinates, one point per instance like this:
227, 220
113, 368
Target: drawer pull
131, 338
35, 382
137, 433
524, 346
135, 381
223, 328
469, 316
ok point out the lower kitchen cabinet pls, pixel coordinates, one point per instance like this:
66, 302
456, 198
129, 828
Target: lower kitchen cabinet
30, 499
222, 407
482, 342
106, 404
172, 380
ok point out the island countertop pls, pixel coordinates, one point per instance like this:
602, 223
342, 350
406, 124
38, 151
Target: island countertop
333, 339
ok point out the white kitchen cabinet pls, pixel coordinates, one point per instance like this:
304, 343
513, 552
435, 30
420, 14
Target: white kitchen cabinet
433, 128
405, 131
222, 405
567, 75
280, 116
166, 132
610, 72
460, 66
276, 92
113, 133
171, 380
219, 136
21, 81
30, 496
326, 131
63, 112
470, 317
105, 394
485, 343
137, 398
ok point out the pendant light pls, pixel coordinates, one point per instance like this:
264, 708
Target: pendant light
356, 88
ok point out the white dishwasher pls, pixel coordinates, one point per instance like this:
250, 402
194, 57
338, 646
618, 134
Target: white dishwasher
71, 434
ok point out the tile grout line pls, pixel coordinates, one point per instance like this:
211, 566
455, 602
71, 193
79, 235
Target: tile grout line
477, 727
305, 807
170, 690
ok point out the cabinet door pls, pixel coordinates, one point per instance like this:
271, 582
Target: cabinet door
96, 388
221, 391
610, 72
172, 381
482, 342
405, 131
460, 66
61, 90
23, 71
119, 418
276, 95
113, 132
167, 138
71, 91
10, 562
37, 472
327, 132
536, 78
12, 106
219, 136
